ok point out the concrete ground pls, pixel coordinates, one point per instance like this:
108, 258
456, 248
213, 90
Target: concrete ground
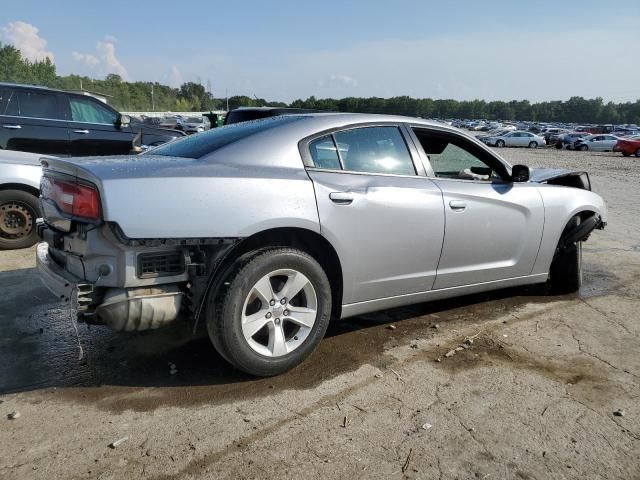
533, 397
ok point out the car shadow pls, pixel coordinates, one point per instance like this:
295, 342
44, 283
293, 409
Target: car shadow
41, 346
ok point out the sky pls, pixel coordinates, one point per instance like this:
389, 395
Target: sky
284, 49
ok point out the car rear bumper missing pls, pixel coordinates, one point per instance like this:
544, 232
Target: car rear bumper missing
122, 309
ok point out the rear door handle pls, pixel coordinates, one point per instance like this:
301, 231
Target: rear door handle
457, 205
12, 127
341, 198
84, 132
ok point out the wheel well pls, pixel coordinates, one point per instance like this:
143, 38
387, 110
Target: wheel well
306, 240
20, 186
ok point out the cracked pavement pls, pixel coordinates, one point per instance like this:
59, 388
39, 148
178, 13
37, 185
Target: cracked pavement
532, 397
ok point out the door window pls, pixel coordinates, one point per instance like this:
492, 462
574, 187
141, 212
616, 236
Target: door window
89, 111
25, 103
374, 150
454, 157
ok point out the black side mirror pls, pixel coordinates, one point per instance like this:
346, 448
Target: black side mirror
520, 173
123, 120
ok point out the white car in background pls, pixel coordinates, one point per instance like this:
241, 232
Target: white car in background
596, 143
517, 138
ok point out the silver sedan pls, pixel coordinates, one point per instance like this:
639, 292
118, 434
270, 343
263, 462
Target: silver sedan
266, 230
518, 138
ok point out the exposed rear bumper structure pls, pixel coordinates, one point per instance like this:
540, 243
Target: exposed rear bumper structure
123, 309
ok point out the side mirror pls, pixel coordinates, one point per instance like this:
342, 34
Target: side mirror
123, 120
520, 173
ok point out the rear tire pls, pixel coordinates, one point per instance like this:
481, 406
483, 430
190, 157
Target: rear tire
500, 143
289, 330
533, 144
638, 153
583, 148
565, 275
18, 213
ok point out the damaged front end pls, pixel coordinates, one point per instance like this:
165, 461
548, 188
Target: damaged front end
561, 177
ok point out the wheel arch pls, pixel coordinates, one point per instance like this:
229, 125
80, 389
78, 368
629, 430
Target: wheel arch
300, 238
20, 186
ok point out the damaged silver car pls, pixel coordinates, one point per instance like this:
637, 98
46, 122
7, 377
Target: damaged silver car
266, 230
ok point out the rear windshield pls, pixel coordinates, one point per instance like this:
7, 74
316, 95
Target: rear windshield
197, 146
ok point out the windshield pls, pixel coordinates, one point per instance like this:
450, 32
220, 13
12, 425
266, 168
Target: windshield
197, 146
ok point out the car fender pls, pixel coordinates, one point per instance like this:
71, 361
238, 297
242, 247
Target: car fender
560, 205
17, 174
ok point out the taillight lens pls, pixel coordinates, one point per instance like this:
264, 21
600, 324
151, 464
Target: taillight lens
77, 199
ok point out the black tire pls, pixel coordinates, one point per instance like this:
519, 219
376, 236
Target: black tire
533, 144
583, 148
638, 153
18, 213
500, 143
565, 275
625, 154
224, 319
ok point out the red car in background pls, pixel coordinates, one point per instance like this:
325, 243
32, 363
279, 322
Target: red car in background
628, 146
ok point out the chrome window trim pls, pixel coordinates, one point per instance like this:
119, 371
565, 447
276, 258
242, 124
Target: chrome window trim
351, 172
36, 118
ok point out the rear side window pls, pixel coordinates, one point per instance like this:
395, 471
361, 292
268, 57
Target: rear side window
197, 146
324, 153
375, 150
25, 103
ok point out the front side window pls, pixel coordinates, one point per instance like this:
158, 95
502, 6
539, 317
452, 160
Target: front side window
379, 150
454, 157
25, 103
89, 111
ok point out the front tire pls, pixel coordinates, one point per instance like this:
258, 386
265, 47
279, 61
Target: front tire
584, 148
638, 153
533, 144
565, 275
18, 213
500, 143
274, 312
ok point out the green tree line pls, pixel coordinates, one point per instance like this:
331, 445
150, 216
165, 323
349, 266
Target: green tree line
190, 96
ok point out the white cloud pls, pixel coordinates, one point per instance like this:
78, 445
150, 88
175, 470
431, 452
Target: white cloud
86, 58
107, 52
175, 77
338, 81
110, 38
25, 37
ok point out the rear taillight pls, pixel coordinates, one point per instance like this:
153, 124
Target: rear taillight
79, 200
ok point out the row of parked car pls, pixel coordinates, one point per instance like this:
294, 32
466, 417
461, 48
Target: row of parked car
604, 138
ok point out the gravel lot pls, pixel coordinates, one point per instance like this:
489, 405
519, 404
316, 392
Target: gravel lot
532, 398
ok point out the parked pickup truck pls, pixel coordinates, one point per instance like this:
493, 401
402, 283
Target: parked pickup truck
266, 229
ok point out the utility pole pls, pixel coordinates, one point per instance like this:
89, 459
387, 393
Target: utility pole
226, 94
153, 103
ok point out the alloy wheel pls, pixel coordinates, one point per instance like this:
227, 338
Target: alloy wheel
279, 313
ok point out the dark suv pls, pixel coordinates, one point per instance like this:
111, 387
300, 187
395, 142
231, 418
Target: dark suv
42, 120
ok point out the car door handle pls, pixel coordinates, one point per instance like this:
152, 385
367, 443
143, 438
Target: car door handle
341, 198
457, 205
84, 132
12, 127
